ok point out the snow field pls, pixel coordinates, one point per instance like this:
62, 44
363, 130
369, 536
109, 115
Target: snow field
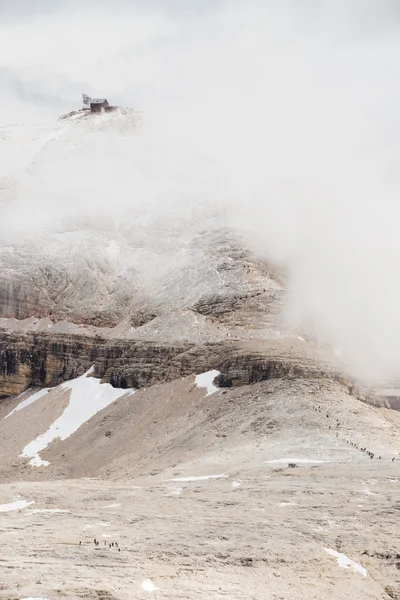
88, 396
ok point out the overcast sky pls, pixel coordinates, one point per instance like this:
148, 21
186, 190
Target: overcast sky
131, 50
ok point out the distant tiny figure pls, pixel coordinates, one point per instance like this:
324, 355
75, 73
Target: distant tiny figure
116, 543
393, 459
119, 549
80, 543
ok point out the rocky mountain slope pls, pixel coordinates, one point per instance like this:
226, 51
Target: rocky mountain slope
153, 393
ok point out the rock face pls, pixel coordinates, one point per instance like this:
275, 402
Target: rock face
141, 311
48, 360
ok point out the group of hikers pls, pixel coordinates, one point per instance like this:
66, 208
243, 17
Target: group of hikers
370, 454
109, 544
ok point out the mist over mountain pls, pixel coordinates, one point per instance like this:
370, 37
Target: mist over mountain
278, 122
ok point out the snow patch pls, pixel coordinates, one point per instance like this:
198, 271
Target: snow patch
176, 491
148, 585
236, 483
112, 506
34, 598
46, 510
112, 250
88, 396
346, 563
101, 524
205, 380
303, 461
28, 401
16, 505
200, 478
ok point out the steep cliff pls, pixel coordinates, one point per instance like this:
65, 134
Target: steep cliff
47, 360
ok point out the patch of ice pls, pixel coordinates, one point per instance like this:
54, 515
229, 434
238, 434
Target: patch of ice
36, 461
46, 510
88, 396
91, 525
16, 505
287, 504
236, 483
300, 338
34, 598
176, 491
148, 585
303, 461
200, 478
367, 492
345, 562
205, 380
112, 506
28, 401
106, 535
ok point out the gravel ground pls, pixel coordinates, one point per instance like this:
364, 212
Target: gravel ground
258, 529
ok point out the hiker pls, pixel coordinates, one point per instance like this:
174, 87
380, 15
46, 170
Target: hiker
80, 543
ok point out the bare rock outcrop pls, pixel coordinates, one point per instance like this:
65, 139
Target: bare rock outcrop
48, 360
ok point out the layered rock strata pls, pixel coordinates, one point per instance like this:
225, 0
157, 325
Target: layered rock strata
48, 360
